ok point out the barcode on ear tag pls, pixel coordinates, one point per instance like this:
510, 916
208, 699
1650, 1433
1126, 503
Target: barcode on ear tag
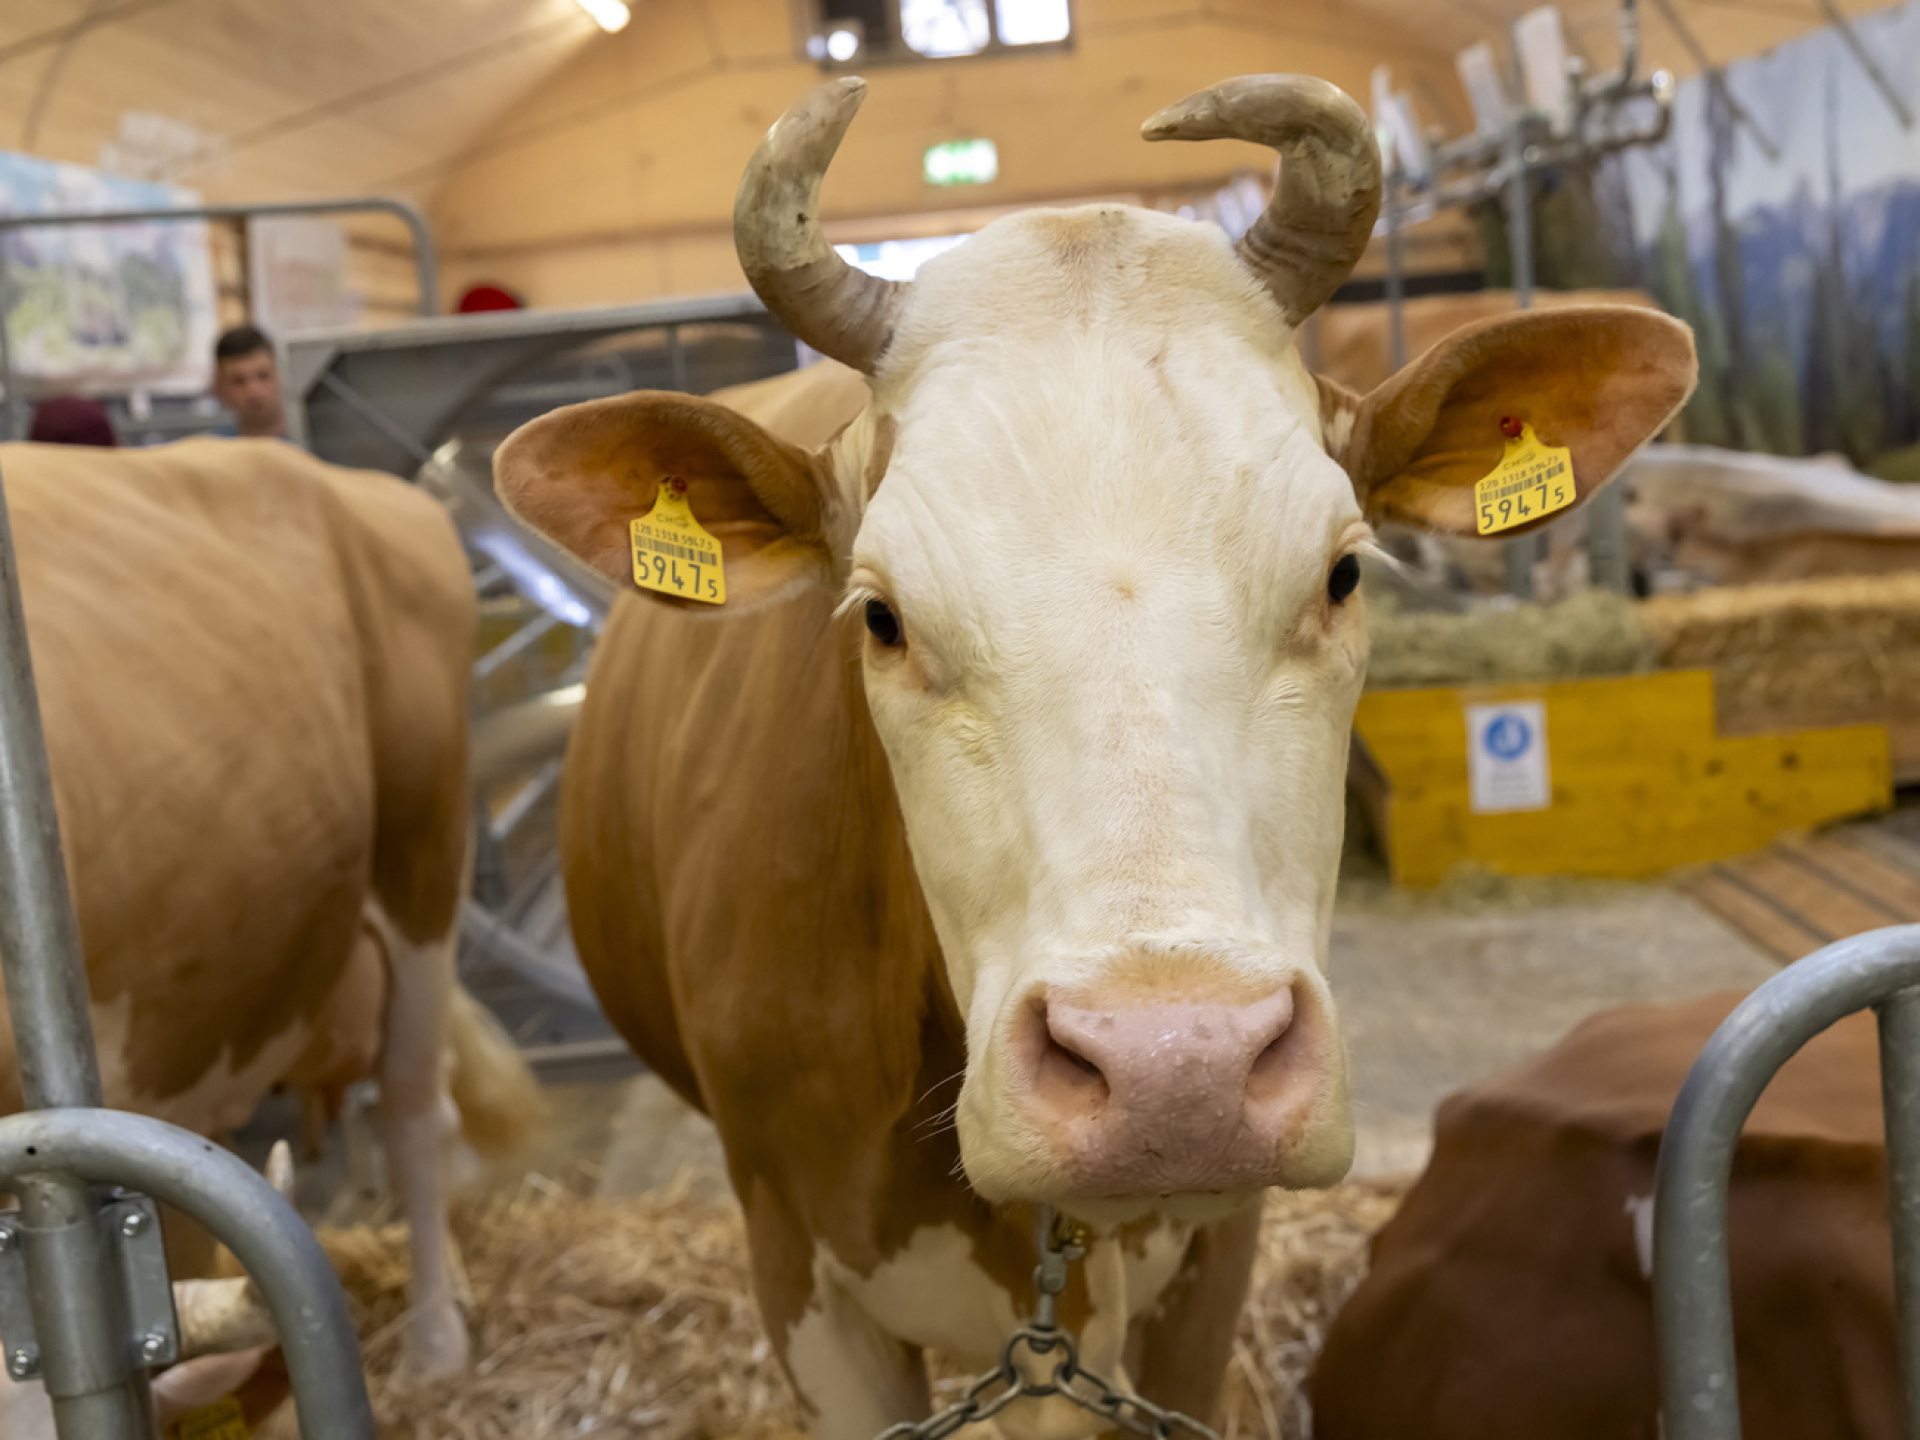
222, 1420
672, 553
1531, 480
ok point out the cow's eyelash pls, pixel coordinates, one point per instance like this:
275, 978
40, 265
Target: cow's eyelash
856, 598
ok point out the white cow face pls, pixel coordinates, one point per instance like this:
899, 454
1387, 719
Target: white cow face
1113, 652
1100, 525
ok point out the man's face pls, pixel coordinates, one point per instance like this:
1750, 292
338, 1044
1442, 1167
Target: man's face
249, 385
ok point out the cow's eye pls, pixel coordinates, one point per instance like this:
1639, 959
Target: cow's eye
882, 623
1342, 581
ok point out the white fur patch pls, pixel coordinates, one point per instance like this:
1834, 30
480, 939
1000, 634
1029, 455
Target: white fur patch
221, 1099
933, 1295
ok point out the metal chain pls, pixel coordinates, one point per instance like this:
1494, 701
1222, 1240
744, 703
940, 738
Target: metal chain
1061, 1242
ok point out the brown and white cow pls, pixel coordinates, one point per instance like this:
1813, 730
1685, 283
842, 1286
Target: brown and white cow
253, 672
980, 850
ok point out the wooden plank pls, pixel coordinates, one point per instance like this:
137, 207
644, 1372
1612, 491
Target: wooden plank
1769, 927
1894, 849
1861, 869
1815, 900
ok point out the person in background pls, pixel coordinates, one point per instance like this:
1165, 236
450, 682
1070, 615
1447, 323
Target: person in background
246, 379
72, 420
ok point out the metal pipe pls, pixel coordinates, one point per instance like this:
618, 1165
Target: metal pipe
96, 1388
39, 940
1875, 74
13, 411
272, 1243
515, 645
1900, 1098
1691, 1277
425, 260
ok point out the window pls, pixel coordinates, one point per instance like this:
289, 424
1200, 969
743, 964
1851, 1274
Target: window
856, 32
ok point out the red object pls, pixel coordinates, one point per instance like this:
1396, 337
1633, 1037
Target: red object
72, 420
677, 485
488, 297
1511, 427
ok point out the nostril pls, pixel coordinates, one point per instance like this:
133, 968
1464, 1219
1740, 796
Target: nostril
1070, 1065
1064, 1076
1278, 1057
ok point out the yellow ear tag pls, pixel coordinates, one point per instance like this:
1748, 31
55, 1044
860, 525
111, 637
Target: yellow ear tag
672, 553
1531, 480
222, 1420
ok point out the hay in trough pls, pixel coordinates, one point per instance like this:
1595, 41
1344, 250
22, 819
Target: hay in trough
1809, 652
633, 1318
1593, 633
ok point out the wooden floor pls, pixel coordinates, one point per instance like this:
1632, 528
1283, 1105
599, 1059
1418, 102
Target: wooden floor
1804, 893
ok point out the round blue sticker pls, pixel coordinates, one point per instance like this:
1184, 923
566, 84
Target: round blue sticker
1507, 737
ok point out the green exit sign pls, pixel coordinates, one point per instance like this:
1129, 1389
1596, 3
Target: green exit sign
961, 162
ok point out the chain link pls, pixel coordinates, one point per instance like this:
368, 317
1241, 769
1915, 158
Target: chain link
1061, 1243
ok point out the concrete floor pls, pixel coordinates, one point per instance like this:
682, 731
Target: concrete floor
1433, 999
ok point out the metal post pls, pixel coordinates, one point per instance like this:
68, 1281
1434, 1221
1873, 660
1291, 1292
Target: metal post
1900, 1098
13, 414
97, 1387
1691, 1279
425, 261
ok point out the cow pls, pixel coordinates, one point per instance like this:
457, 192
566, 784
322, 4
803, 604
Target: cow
253, 672
978, 852
1511, 1296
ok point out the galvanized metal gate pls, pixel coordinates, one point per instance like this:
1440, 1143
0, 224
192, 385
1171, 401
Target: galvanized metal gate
1692, 1282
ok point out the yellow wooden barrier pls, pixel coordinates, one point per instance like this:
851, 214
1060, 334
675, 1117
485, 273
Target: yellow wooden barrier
1637, 779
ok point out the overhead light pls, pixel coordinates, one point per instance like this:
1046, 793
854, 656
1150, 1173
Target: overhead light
837, 42
609, 15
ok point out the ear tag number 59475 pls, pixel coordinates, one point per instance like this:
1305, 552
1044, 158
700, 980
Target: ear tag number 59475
672, 553
1530, 481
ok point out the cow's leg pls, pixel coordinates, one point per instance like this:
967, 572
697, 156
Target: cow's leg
419, 1122
853, 1378
1186, 1341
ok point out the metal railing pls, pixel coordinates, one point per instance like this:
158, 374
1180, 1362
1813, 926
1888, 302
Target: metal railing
1691, 1278
75, 1330
425, 260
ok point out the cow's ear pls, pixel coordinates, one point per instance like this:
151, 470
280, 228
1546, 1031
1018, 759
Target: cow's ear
582, 474
1599, 380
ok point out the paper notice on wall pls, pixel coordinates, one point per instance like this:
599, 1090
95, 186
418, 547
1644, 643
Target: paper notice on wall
298, 266
1507, 757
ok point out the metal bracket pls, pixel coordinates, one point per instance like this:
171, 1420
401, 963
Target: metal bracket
19, 1341
130, 1225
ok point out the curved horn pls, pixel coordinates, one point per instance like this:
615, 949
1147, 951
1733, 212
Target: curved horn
1312, 232
838, 310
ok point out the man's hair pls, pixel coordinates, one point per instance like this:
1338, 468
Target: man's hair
240, 340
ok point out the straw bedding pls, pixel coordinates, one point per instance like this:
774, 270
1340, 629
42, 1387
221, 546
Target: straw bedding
633, 1318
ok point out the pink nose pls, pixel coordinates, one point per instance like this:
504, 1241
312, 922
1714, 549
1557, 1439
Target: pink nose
1143, 1098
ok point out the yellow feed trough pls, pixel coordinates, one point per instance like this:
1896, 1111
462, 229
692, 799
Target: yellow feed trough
1624, 776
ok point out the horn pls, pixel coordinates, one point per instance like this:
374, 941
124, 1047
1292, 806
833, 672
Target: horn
1312, 232
838, 310
218, 1317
